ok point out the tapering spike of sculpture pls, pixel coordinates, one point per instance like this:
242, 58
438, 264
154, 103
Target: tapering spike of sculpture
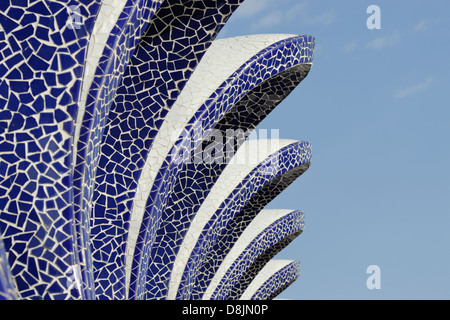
116, 163
213, 99
273, 279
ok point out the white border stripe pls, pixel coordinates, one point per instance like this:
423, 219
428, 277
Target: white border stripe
220, 61
230, 178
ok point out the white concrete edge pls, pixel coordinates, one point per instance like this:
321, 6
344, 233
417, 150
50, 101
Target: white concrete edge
107, 17
271, 268
262, 221
220, 61
230, 178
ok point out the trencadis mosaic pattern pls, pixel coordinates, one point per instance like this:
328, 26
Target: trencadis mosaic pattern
127, 164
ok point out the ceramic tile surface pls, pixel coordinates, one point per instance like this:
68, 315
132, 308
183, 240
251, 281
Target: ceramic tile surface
127, 164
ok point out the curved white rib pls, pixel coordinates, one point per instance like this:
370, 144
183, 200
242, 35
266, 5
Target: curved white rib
245, 160
105, 21
262, 221
220, 61
272, 267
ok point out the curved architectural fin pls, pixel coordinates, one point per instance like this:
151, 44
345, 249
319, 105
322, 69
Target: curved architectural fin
256, 164
273, 279
171, 176
269, 231
128, 164
44, 45
174, 42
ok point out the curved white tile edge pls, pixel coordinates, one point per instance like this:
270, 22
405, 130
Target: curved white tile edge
220, 61
230, 178
271, 268
262, 221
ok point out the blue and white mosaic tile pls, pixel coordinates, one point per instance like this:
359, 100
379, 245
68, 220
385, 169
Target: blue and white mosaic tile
267, 234
273, 279
7, 286
42, 65
232, 192
117, 178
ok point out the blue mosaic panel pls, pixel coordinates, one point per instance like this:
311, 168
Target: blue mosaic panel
247, 277
268, 243
237, 226
75, 134
262, 249
120, 46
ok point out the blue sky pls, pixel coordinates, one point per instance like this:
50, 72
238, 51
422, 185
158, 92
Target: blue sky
375, 108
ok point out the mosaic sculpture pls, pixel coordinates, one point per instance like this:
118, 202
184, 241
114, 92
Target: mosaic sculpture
122, 124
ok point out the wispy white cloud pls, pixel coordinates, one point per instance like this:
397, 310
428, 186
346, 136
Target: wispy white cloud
300, 12
382, 42
408, 91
